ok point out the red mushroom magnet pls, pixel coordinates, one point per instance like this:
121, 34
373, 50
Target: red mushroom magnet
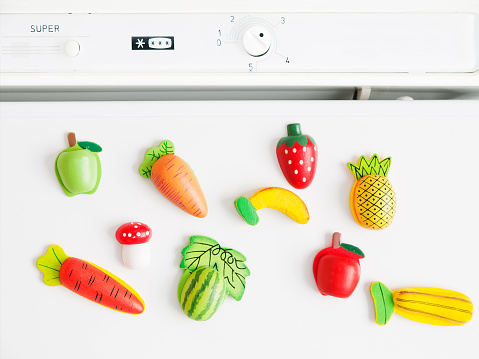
134, 237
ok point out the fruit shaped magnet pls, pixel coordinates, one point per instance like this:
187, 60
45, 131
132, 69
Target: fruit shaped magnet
336, 269
373, 202
421, 304
134, 238
272, 197
78, 167
89, 281
172, 176
297, 156
211, 273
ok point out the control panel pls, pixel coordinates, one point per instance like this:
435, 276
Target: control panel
240, 43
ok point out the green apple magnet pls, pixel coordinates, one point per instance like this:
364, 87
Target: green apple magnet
78, 167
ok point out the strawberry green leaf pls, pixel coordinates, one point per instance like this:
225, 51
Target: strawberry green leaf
205, 251
93, 147
352, 249
153, 154
295, 135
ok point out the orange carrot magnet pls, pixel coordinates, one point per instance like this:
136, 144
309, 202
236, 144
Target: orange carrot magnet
89, 281
174, 178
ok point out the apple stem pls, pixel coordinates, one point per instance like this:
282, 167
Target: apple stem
336, 240
72, 141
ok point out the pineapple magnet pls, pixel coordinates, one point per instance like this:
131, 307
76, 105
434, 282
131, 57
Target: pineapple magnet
373, 202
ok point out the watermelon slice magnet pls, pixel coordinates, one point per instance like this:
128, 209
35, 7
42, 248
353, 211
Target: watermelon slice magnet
211, 273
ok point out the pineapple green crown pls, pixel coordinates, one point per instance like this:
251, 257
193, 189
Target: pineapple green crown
373, 166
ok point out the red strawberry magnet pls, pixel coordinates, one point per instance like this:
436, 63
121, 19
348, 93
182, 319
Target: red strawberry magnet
297, 157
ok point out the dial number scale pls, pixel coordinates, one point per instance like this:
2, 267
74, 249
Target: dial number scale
254, 37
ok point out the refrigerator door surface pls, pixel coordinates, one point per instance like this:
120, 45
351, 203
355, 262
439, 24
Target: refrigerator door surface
231, 146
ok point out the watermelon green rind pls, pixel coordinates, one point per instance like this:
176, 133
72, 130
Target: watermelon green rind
352, 249
183, 280
202, 294
246, 210
383, 302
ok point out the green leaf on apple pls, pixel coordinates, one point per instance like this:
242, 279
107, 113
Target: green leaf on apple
205, 251
153, 154
352, 249
93, 147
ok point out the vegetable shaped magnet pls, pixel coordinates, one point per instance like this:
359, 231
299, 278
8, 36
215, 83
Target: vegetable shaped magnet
172, 176
78, 167
421, 304
211, 273
272, 197
297, 156
336, 269
373, 202
89, 281
134, 238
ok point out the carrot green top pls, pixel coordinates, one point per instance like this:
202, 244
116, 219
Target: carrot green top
153, 154
373, 166
50, 263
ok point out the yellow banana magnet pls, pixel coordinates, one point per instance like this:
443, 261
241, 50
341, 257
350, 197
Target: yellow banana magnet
421, 304
272, 197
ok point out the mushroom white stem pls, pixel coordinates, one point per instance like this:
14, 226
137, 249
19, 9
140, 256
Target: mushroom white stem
136, 256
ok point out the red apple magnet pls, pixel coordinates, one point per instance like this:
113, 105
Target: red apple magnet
336, 269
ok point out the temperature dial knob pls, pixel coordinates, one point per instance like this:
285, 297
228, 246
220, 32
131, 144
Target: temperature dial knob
257, 40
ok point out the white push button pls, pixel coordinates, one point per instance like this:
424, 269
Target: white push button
72, 48
256, 40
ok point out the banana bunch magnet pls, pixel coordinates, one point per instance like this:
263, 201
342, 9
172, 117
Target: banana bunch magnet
421, 304
272, 197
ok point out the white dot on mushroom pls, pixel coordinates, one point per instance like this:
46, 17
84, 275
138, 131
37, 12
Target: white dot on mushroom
124, 234
304, 179
304, 149
147, 233
295, 172
286, 151
294, 150
129, 234
289, 162
300, 162
138, 234
309, 169
312, 159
